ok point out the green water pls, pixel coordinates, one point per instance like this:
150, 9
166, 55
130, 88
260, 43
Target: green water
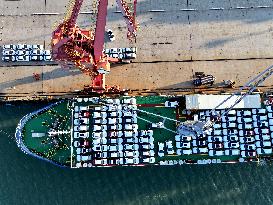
26, 180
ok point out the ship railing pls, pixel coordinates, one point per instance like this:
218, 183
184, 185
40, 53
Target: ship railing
19, 133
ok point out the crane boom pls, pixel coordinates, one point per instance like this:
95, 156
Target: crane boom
75, 12
100, 29
129, 18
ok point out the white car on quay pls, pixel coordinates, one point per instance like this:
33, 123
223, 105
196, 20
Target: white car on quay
37, 52
22, 53
9, 47
37, 47
24, 47
37, 58
8, 52
23, 58
9, 58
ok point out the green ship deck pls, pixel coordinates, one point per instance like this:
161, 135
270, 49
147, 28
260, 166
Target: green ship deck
138, 131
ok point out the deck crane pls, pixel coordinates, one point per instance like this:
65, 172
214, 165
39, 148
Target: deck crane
82, 48
203, 125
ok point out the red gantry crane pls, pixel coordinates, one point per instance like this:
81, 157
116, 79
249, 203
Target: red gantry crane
82, 48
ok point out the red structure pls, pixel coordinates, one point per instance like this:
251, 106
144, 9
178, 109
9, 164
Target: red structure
76, 47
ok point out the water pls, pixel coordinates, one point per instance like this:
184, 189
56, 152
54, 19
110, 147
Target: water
26, 180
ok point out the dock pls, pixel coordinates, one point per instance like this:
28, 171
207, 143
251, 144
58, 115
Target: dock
228, 39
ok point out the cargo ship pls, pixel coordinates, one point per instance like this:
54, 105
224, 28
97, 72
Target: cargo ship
144, 130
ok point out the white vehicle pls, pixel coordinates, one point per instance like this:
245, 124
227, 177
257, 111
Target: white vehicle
130, 55
148, 146
37, 47
111, 35
247, 139
112, 121
8, 52
150, 160
81, 128
83, 108
116, 154
244, 120
263, 137
185, 145
183, 138
215, 139
217, 126
37, 58
263, 118
131, 146
216, 153
114, 55
245, 126
232, 138
115, 148
231, 145
248, 147
99, 141
247, 113
187, 151
264, 124
217, 132
131, 140
83, 121
121, 56
248, 153
232, 113
48, 58
131, 160
231, 125
173, 104
231, 119
131, 153
232, 152
264, 131
76, 143
262, 111
100, 121
149, 153
270, 115
24, 47
23, 52
9, 47
161, 149
199, 150
269, 109
129, 50
263, 144
99, 128
107, 51
264, 150
144, 140
9, 58
23, 58
81, 135
37, 52
113, 50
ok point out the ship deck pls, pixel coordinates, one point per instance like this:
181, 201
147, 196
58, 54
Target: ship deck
55, 135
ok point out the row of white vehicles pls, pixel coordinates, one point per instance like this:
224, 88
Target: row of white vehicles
121, 53
116, 148
25, 52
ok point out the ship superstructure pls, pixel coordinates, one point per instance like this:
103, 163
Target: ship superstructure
144, 130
